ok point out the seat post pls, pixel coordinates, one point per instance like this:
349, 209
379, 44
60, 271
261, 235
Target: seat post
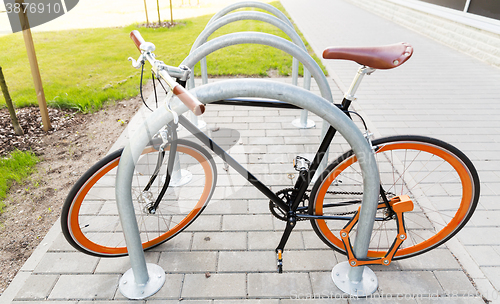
362, 71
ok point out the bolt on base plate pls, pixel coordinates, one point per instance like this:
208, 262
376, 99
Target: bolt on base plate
131, 290
367, 286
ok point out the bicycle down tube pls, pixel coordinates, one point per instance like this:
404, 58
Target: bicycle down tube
301, 184
208, 142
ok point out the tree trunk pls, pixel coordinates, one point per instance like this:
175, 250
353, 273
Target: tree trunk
8, 101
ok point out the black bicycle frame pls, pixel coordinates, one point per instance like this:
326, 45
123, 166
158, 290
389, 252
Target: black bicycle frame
305, 176
301, 185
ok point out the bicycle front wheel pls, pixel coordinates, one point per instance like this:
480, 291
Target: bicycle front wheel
439, 179
90, 220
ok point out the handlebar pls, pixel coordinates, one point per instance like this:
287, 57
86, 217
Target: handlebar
161, 71
189, 100
137, 39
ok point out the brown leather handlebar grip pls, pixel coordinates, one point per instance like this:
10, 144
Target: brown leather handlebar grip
137, 38
189, 100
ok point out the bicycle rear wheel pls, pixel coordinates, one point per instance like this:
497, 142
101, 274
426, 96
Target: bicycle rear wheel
439, 179
90, 220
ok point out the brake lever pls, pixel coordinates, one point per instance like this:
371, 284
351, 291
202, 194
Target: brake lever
137, 63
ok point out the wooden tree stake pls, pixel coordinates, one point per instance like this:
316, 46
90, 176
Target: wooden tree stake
35, 71
146, 10
15, 123
171, 14
158, 7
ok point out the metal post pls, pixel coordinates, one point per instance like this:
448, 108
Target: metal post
200, 124
303, 122
231, 89
180, 177
215, 24
248, 4
358, 281
142, 280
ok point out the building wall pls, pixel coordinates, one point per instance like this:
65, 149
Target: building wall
482, 44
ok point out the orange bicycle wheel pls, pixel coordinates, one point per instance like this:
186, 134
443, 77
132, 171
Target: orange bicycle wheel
90, 220
439, 179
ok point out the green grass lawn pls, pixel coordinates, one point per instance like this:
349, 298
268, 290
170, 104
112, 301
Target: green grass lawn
16, 167
82, 69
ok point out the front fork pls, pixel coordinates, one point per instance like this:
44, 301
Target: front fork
171, 139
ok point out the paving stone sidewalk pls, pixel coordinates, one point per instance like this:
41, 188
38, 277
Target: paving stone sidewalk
235, 238
439, 92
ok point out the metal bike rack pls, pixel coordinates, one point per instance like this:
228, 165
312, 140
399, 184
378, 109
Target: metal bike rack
279, 20
180, 177
239, 16
283, 23
264, 39
273, 41
143, 280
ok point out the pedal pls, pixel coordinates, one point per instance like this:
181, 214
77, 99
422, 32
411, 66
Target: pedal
279, 256
301, 163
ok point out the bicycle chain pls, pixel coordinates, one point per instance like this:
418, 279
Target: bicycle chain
272, 205
343, 193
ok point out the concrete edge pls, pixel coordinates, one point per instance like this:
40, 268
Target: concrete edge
25, 272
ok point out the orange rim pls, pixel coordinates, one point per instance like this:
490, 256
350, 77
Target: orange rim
84, 242
467, 194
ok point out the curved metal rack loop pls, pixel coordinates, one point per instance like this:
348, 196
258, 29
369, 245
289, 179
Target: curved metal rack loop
264, 39
220, 19
239, 16
246, 88
248, 4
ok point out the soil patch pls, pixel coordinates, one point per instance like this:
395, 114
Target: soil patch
74, 144
164, 24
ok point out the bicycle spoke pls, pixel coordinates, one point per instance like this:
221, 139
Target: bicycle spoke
437, 181
98, 214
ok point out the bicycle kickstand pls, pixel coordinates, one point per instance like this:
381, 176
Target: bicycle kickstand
286, 234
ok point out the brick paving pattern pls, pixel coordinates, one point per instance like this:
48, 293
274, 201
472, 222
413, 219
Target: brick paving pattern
227, 256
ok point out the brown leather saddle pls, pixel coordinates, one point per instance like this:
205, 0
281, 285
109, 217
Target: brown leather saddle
377, 57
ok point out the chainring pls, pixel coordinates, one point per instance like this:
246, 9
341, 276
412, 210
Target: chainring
286, 196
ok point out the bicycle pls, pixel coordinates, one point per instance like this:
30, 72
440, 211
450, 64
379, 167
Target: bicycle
428, 191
